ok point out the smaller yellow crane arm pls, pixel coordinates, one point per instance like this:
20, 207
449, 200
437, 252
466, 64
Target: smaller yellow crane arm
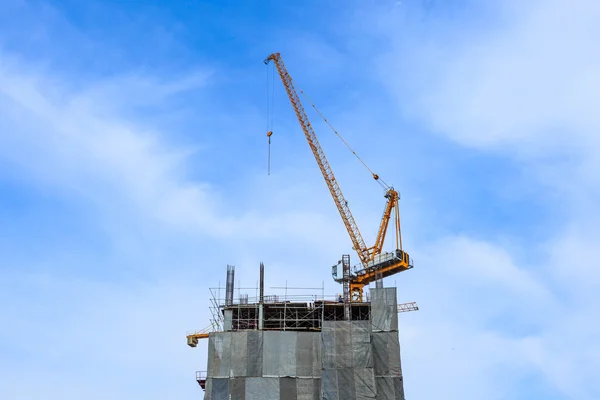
390, 205
192, 338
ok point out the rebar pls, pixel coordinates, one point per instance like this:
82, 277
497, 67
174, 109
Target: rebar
229, 285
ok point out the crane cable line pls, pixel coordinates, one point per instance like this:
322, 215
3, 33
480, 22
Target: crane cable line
270, 107
375, 176
270, 114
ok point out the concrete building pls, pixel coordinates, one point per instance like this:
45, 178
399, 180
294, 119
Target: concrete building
275, 349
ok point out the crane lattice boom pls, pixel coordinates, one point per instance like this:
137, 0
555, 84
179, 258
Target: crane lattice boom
376, 265
340, 202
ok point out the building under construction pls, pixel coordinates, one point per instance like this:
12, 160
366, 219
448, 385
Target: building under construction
306, 346
298, 346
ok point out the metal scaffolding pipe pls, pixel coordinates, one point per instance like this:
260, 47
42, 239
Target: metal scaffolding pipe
262, 297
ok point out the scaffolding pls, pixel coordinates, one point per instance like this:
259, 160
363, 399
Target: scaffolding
291, 308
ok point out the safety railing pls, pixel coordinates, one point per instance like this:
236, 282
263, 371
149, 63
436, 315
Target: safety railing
201, 378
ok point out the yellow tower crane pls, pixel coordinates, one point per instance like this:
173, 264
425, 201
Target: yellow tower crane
375, 264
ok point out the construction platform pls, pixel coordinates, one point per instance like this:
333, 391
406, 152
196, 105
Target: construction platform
291, 315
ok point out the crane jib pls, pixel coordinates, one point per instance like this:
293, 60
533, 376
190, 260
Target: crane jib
358, 241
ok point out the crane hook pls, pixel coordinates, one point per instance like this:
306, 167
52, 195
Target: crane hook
269, 153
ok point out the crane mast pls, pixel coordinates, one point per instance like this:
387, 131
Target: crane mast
375, 264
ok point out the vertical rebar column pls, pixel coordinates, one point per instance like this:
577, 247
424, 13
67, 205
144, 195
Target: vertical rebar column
261, 296
229, 285
378, 279
346, 269
262, 283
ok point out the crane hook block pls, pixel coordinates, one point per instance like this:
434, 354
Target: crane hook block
269, 133
376, 177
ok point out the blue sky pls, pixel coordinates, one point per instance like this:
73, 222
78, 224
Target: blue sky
133, 169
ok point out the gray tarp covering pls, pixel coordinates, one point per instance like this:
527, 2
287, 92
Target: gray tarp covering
237, 388
385, 389
287, 388
384, 309
279, 353
345, 383
343, 344
308, 389
219, 352
262, 389
389, 388
399, 387
208, 389
393, 347
348, 384
329, 386
220, 389
235, 354
255, 353
308, 355
364, 382
239, 354
380, 356
346, 344
362, 356
328, 350
235, 357
347, 361
386, 354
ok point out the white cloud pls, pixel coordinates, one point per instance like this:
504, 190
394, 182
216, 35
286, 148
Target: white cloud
527, 84
75, 338
79, 141
526, 87
484, 317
